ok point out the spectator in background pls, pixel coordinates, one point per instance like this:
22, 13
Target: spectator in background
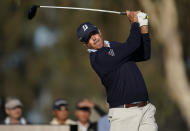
83, 111
13, 109
61, 113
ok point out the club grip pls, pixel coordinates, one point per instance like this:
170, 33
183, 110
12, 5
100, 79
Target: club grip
123, 13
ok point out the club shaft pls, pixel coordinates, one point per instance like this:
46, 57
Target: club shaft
87, 9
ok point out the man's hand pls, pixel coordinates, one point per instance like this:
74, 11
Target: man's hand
132, 16
142, 19
86, 103
143, 22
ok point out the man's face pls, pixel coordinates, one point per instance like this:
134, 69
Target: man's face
14, 113
95, 41
82, 116
62, 113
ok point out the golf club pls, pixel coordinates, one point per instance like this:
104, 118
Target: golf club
33, 10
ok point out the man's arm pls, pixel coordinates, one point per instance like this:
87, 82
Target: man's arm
144, 51
91, 105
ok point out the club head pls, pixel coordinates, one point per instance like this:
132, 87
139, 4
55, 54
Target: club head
32, 11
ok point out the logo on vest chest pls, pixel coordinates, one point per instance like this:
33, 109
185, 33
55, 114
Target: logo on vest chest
111, 52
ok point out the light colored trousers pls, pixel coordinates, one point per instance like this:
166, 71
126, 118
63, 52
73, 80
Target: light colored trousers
133, 118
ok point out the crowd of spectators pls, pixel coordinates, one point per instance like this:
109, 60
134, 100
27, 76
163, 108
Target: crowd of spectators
13, 108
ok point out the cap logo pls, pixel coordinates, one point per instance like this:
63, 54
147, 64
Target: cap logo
85, 27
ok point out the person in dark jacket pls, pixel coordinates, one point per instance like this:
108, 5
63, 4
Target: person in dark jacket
115, 64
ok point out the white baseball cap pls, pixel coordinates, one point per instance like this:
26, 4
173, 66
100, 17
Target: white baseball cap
12, 103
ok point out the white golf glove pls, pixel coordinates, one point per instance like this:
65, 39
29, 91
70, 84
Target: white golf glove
142, 19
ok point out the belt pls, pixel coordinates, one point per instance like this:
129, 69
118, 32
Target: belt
139, 104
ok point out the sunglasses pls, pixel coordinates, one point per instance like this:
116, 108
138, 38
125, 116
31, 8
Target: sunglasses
62, 108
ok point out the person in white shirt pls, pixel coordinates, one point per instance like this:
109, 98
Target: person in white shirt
61, 113
13, 109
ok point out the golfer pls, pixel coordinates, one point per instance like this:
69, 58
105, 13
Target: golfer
115, 64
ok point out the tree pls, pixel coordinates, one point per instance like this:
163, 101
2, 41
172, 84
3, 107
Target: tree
164, 20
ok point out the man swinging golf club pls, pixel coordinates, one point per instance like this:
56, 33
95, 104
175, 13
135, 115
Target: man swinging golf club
115, 64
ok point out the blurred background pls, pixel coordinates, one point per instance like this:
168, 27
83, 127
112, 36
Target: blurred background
42, 59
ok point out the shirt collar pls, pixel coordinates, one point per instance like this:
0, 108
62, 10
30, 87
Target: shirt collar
67, 122
93, 50
8, 121
83, 127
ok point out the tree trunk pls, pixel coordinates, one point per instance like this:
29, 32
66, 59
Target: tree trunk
164, 21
